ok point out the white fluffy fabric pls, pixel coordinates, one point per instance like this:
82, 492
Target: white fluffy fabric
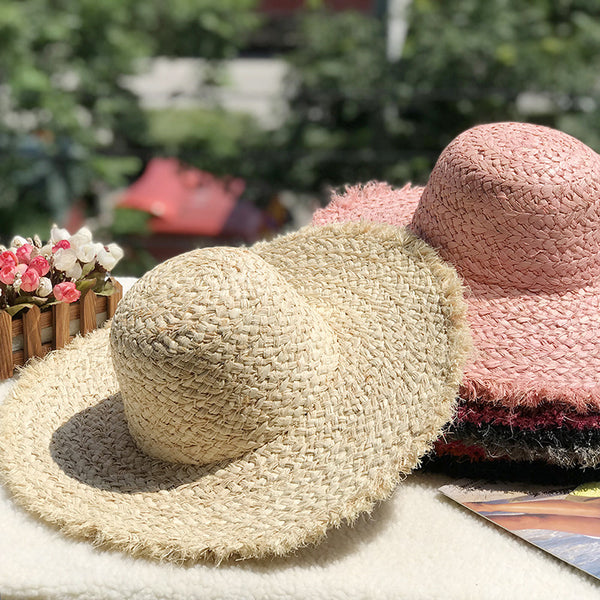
418, 545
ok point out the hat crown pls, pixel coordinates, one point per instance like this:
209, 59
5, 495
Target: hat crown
216, 355
517, 205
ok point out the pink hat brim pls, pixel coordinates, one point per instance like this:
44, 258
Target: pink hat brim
375, 201
529, 348
547, 416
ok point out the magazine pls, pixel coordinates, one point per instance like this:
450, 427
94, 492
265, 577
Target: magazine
563, 522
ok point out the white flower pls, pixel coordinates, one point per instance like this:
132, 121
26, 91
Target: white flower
45, 287
57, 234
75, 271
46, 250
81, 238
106, 259
65, 259
116, 251
86, 253
18, 241
17, 282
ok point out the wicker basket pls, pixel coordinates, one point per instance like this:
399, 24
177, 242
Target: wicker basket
36, 332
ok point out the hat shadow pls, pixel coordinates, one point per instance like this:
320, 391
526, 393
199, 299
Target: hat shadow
95, 448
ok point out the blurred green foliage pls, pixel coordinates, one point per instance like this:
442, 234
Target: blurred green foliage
130, 221
355, 116
214, 139
66, 119
132, 227
69, 128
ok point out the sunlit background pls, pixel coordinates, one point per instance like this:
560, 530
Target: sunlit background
166, 126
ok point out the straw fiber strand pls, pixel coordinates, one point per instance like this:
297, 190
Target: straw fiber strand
515, 208
281, 390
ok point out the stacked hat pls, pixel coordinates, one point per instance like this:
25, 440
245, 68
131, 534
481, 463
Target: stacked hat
515, 208
243, 400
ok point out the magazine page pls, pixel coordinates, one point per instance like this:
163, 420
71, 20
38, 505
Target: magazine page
563, 522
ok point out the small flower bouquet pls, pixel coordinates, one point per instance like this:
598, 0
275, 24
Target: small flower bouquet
36, 274
49, 293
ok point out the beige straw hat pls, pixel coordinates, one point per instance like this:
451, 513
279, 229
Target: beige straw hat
272, 392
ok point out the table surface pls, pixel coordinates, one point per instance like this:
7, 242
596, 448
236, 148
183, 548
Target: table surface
417, 545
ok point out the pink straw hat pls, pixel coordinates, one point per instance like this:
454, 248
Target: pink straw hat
515, 208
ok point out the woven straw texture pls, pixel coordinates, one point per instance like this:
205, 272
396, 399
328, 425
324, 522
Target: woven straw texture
549, 415
550, 432
567, 449
277, 391
516, 209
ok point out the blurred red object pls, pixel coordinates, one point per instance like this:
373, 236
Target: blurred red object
183, 200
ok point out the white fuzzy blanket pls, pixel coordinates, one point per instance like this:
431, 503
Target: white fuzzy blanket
418, 545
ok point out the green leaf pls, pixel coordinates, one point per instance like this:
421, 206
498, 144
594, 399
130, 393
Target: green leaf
24, 299
83, 285
107, 290
87, 269
39, 300
128, 221
99, 282
13, 310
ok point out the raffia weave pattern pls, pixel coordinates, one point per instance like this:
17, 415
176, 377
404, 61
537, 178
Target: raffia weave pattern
567, 449
276, 392
516, 208
549, 415
550, 432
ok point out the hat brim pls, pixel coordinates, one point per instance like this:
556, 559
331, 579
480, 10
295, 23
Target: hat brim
67, 456
470, 462
550, 415
534, 348
567, 449
528, 348
552, 433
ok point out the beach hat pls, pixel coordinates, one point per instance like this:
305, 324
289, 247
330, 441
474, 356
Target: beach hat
516, 208
255, 398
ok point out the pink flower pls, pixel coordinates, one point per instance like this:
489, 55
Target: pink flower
66, 292
20, 269
64, 244
8, 259
40, 264
30, 280
7, 275
24, 253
